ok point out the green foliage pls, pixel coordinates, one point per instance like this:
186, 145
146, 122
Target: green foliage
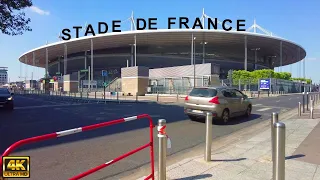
253, 77
13, 22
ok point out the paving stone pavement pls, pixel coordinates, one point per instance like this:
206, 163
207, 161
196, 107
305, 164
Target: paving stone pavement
250, 159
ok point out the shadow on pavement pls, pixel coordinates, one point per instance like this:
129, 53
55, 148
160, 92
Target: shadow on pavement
228, 160
295, 156
201, 176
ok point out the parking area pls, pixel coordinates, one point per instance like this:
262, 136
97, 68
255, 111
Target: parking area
36, 115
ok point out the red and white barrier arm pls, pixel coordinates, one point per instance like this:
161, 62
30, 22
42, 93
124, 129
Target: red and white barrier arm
68, 132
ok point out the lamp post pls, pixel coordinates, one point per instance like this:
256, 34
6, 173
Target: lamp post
203, 52
255, 57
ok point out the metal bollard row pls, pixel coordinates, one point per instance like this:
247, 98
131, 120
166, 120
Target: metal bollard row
278, 147
279, 161
311, 109
299, 109
164, 143
207, 153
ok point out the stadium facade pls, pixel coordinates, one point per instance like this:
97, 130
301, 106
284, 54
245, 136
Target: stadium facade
160, 49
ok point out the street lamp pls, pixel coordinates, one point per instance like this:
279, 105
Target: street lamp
255, 57
203, 48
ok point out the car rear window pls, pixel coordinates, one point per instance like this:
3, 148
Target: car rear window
203, 92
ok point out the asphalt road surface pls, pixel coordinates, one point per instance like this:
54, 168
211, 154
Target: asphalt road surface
68, 156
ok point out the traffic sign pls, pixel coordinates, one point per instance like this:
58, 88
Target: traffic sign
104, 73
58, 73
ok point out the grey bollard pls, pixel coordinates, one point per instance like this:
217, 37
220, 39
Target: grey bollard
207, 153
274, 119
311, 109
157, 96
280, 142
162, 149
307, 101
303, 102
177, 97
136, 96
299, 109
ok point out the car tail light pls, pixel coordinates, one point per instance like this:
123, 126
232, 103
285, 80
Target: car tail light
186, 98
215, 100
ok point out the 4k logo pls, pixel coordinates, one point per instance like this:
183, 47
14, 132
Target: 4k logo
16, 166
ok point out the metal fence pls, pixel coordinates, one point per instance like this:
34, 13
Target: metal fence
276, 85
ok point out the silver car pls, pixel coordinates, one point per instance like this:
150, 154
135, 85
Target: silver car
223, 102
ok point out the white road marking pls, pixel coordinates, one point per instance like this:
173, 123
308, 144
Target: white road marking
278, 101
289, 98
264, 109
257, 105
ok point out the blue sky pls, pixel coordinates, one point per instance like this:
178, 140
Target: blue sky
292, 20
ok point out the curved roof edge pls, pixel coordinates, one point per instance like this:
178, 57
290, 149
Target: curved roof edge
160, 30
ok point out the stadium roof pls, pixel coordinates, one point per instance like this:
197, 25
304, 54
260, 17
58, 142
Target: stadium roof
224, 41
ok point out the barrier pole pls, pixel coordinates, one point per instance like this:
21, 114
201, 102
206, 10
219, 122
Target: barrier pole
162, 149
303, 102
279, 163
307, 101
136, 96
157, 96
274, 119
311, 109
207, 153
299, 109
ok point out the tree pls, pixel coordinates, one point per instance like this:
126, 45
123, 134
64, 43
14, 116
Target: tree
13, 22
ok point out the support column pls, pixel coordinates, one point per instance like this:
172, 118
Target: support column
192, 49
135, 50
65, 63
203, 51
26, 62
91, 65
47, 61
255, 60
131, 56
245, 54
280, 56
85, 59
59, 65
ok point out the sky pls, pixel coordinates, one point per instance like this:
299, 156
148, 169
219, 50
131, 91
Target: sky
292, 20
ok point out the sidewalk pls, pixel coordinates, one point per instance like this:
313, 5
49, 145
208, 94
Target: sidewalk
250, 158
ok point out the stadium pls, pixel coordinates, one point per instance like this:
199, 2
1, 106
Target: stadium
190, 55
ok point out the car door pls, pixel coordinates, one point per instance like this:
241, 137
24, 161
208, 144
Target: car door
237, 100
231, 101
242, 101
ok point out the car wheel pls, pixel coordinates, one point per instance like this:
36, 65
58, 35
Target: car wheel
248, 111
225, 116
192, 118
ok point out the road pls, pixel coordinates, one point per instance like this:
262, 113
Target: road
68, 156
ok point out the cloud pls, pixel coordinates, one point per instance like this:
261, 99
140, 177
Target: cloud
39, 11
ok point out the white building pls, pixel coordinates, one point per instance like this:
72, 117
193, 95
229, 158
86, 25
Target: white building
3, 75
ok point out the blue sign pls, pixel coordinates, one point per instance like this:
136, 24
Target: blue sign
264, 83
104, 73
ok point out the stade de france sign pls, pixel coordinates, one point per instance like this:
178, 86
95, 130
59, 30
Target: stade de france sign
151, 24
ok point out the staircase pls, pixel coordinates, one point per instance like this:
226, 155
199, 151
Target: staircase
114, 85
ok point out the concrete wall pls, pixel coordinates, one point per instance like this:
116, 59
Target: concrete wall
134, 80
